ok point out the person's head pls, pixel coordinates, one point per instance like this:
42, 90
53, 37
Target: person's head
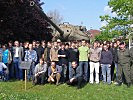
73, 45
41, 61
4, 47
63, 46
105, 47
37, 43
122, 45
49, 44
30, 46
118, 42
43, 43
95, 44
16, 43
83, 42
74, 64
55, 44
26, 44
10, 43
53, 64
67, 46
115, 45
34, 43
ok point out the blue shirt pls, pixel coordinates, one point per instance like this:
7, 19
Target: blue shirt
5, 56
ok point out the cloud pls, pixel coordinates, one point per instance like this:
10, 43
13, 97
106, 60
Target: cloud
108, 10
103, 24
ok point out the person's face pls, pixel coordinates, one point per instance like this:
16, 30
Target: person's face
73, 45
105, 47
49, 44
16, 43
95, 45
122, 47
53, 64
67, 47
115, 45
83, 43
74, 64
34, 43
26, 45
4, 47
37, 44
30, 46
41, 61
43, 43
10, 44
55, 44
118, 42
62, 46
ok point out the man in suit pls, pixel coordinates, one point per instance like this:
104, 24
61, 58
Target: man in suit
17, 58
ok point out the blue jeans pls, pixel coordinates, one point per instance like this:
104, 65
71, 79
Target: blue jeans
106, 69
18, 71
84, 66
31, 71
70, 64
3, 75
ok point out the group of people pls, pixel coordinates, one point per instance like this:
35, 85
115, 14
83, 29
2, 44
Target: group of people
73, 63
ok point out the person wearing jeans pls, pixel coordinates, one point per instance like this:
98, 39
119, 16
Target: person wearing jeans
17, 58
95, 54
83, 59
106, 61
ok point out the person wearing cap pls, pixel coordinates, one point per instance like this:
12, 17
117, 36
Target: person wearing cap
123, 65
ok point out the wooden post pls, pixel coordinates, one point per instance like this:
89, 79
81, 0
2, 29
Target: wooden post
25, 78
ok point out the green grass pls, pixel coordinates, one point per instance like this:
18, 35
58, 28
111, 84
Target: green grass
15, 91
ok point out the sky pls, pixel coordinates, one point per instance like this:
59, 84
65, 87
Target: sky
80, 12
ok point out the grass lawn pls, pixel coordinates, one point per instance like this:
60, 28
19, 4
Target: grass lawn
15, 91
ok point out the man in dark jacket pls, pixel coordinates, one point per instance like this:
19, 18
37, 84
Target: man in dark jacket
106, 61
75, 75
124, 65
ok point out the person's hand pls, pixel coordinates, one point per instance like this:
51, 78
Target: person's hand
71, 80
109, 65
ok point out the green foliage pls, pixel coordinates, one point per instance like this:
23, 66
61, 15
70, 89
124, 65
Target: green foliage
119, 24
15, 91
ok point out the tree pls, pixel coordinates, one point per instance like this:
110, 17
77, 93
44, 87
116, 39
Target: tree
55, 16
121, 23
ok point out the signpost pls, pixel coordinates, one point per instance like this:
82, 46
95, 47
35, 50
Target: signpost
25, 65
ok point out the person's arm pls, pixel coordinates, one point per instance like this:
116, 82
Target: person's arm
79, 73
9, 57
26, 56
35, 56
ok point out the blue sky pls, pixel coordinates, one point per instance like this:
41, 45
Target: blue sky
79, 11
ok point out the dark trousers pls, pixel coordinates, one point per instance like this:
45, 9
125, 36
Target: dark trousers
78, 81
124, 69
18, 71
40, 79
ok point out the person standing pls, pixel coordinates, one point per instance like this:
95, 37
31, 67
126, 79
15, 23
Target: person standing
63, 61
31, 56
54, 53
83, 59
95, 54
106, 61
17, 58
73, 55
124, 65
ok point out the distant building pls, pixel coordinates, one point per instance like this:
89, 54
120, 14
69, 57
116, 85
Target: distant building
94, 32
